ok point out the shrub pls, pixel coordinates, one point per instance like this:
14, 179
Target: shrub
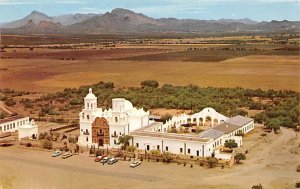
263, 134
212, 162
72, 140
43, 135
297, 185
130, 148
154, 152
46, 144
10, 102
167, 157
28, 144
239, 156
298, 168
258, 186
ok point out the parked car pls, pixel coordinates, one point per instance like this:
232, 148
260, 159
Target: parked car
66, 155
112, 161
97, 159
135, 164
104, 160
56, 153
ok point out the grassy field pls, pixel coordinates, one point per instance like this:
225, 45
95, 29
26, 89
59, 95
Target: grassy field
266, 72
179, 61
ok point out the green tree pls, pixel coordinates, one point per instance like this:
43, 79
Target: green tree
239, 156
230, 143
124, 140
274, 124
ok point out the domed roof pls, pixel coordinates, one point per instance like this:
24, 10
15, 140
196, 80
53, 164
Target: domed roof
90, 95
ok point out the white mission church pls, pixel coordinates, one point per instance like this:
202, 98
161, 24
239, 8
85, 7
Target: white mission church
102, 128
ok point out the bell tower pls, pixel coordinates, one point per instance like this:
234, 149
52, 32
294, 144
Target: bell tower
90, 101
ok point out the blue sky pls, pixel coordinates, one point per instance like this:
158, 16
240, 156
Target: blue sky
198, 9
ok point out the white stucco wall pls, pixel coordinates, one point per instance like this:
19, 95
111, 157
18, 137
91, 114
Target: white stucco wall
174, 145
12, 126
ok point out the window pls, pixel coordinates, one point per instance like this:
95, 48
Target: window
148, 147
137, 145
197, 152
87, 139
4, 128
14, 125
157, 147
100, 130
88, 116
116, 119
115, 142
181, 150
87, 105
0, 128
189, 151
167, 148
115, 133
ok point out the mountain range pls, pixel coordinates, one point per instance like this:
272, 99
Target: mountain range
126, 21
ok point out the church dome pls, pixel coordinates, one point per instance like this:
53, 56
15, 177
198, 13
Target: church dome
90, 95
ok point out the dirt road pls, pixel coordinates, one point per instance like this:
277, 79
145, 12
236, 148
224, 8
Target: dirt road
270, 163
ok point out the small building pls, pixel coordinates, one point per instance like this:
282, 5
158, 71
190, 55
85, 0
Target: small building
29, 130
17, 123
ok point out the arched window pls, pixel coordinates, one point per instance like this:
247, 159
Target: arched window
88, 116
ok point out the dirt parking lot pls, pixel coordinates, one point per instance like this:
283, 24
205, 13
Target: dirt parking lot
270, 162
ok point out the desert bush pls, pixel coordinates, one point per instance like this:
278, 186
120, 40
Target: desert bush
46, 144
155, 152
130, 148
263, 134
258, 186
43, 135
239, 156
28, 144
167, 157
298, 168
10, 102
297, 185
212, 162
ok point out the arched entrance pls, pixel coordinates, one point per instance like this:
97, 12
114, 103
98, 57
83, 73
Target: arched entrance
100, 132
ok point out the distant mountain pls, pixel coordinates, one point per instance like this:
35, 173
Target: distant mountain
126, 21
246, 21
35, 17
41, 27
70, 19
